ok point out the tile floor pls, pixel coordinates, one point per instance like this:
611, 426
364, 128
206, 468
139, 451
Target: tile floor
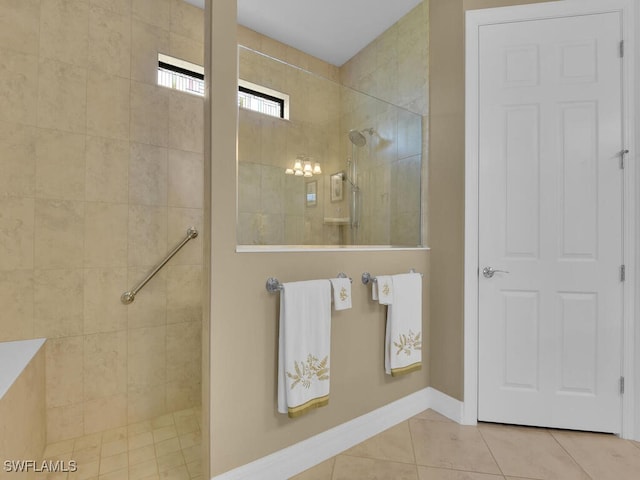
431, 447
165, 448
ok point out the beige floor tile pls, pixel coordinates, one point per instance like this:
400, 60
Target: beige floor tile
140, 427
449, 445
195, 469
433, 416
530, 452
167, 446
430, 473
140, 440
142, 454
603, 457
86, 470
91, 454
192, 453
143, 470
114, 434
394, 444
164, 433
113, 448
162, 421
167, 462
114, 463
352, 468
117, 475
322, 471
176, 473
637, 444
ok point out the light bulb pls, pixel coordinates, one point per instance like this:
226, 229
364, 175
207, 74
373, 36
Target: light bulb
307, 167
289, 171
297, 165
299, 173
316, 169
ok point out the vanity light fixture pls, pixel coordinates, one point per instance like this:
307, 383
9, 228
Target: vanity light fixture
304, 167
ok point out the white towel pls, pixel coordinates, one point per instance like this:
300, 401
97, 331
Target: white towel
403, 343
385, 289
304, 346
341, 293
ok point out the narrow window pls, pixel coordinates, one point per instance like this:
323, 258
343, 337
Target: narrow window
180, 75
262, 99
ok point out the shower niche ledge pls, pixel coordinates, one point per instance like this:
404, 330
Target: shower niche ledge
337, 220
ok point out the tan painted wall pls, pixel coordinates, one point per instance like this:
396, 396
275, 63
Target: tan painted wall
243, 330
446, 187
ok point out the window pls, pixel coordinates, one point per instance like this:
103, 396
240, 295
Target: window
180, 75
188, 77
262, 99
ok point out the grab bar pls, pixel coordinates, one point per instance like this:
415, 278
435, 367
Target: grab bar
273, 284
130, 296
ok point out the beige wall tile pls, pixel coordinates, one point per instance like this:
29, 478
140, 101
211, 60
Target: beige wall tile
146, 356
148, 175
18, 87
187, 20
20, 25
179, 220
109, 42
150, 306
186, 128
65, 359
186, 48
149, 114
16, 232
147, 235
17, 159
186, 179
59, 234
62, 96
119, 6
64, 422
108, 99
64, 31
103, 310
16, 298
105, 234
145, 402
58, 303
60, 165
184, 342
184, 296
183, 395
105, 366
107, 170
154, 12
148, 40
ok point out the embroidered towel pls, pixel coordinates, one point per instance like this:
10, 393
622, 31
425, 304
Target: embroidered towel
304, 346
385, 289
341, 293
403, 343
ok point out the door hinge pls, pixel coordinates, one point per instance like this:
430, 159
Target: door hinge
623, 154
621, 385
623, 273
621, 48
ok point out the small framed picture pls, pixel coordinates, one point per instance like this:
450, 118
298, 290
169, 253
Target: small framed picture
336, 187
312, 194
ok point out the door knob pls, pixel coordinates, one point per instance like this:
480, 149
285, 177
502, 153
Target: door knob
488, 272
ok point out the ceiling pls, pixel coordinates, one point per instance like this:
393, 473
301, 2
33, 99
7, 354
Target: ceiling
332, 30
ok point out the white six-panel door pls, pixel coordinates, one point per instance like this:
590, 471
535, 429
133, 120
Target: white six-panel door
550, 214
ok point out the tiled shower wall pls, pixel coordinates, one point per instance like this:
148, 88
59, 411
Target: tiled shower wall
101, 174
393, 68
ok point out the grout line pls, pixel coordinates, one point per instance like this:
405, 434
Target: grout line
551, 432
490, 451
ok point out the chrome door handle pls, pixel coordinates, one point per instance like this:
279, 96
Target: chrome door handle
488, 272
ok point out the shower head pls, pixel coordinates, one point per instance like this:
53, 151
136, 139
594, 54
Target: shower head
357, 138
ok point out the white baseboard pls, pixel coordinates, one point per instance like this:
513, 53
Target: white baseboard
303, 455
